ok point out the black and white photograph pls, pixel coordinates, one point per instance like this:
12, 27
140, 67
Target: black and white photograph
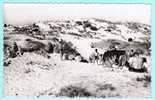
77, 50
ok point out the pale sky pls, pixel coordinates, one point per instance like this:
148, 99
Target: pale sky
28, 13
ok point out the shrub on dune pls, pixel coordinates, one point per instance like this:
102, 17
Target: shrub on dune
74, 91
30, 46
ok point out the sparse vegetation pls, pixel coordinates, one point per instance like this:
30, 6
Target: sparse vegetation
7, 62
28, 70
105, 87
40, 66
102, 91
74, 91
146, 78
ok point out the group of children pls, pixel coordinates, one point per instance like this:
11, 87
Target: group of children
134, 59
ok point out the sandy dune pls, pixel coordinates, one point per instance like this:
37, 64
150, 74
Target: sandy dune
34, 75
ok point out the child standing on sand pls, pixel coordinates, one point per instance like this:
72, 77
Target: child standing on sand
96, 55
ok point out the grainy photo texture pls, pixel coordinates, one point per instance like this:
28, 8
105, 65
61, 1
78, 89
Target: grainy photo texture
77, 50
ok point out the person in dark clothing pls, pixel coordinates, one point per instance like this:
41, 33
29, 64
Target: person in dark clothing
14, 50
96, 55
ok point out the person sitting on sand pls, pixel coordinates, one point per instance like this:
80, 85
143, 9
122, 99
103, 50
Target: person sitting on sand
137, 63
